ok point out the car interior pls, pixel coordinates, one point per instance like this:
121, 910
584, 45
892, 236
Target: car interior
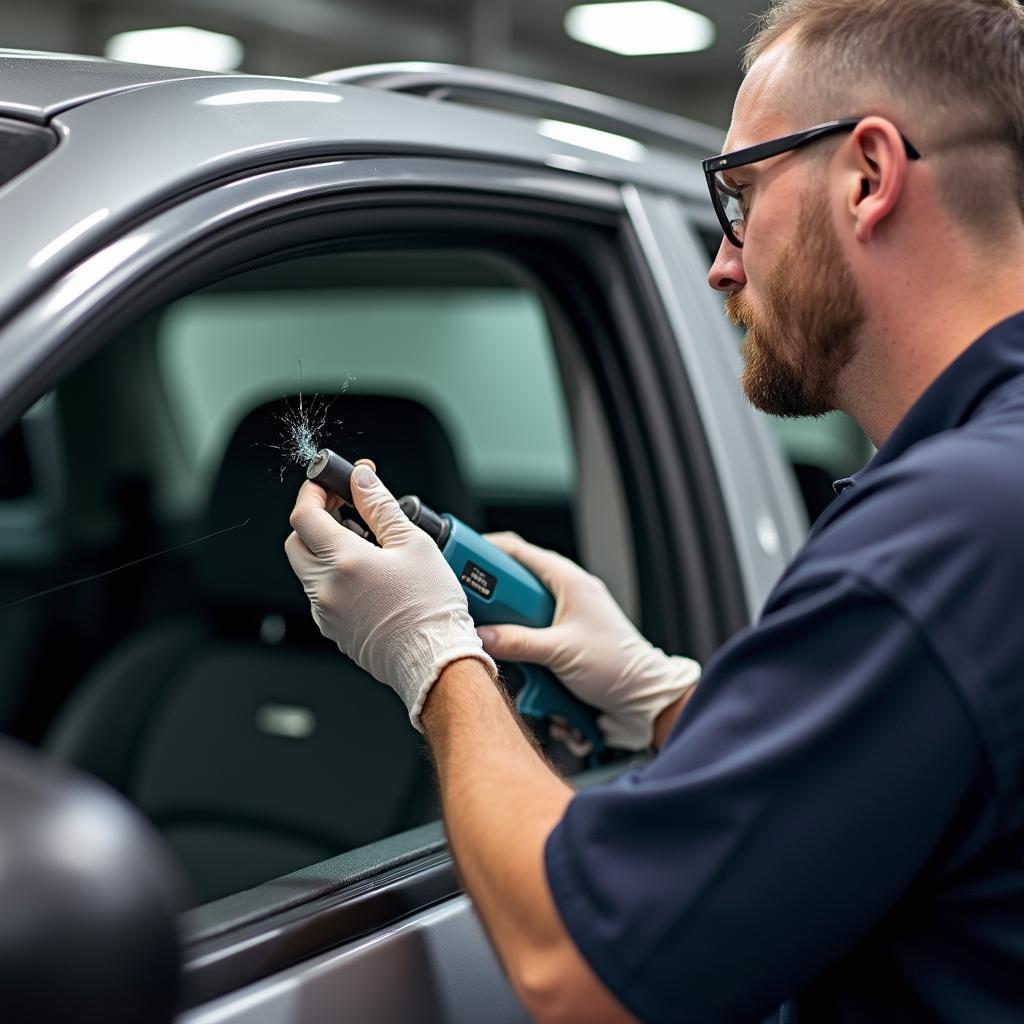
183, 668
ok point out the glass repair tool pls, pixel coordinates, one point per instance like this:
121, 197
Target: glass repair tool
499, 591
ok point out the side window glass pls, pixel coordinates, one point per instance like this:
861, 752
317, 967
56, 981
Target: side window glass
820, 450
31, 496
167, 648
476, 356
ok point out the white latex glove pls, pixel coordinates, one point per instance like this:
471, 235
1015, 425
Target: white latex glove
397, 610
593, 648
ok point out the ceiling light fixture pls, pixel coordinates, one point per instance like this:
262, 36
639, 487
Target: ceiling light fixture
180, 47
639, 27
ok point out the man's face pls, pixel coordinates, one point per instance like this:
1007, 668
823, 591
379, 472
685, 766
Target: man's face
804, 331
790, 285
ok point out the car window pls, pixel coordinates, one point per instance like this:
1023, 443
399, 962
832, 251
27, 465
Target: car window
479, 357
158, 638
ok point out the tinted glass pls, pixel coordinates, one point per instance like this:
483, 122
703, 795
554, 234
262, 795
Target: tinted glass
157, 637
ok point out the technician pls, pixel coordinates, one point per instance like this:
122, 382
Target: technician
835, 818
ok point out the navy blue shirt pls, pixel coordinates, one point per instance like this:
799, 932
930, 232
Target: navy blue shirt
837, 818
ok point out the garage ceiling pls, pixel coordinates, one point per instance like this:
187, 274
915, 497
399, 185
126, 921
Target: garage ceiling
302, 37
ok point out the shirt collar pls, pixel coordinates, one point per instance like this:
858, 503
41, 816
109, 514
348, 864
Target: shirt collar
954, 396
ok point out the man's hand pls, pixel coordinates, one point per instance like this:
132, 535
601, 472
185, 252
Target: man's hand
397, 610
594, 649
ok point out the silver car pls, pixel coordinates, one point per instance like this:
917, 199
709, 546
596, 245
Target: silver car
493, 286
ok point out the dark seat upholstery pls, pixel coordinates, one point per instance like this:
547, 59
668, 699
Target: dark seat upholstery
252, 743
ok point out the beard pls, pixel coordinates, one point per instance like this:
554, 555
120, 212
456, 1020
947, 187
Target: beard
795, 351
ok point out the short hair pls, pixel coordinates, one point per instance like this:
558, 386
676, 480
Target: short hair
953, 68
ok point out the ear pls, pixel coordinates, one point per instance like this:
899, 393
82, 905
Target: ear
878, 170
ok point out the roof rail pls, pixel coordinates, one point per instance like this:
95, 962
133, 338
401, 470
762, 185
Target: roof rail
531, 96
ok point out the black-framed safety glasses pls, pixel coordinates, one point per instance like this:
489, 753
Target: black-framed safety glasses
729, 200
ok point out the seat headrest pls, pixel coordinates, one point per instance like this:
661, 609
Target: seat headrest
247, 568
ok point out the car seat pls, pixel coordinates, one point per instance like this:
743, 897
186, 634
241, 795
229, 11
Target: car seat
249, 740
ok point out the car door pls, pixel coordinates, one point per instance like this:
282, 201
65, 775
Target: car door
382, 931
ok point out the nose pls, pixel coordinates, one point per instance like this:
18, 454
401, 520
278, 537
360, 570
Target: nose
726, 273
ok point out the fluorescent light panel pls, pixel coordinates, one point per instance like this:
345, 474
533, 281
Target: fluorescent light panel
640, 27
179, 47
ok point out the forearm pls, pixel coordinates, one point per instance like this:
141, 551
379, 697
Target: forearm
501, 800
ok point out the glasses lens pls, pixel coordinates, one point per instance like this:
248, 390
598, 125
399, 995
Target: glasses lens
732, 204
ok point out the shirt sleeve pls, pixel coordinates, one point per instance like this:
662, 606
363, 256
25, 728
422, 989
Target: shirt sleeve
804, 787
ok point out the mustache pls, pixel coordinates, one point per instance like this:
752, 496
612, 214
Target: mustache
738, 310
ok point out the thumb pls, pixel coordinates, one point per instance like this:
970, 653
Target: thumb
516, 643
379, 507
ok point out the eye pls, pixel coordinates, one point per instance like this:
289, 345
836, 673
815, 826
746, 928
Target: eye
737, 195
743, 195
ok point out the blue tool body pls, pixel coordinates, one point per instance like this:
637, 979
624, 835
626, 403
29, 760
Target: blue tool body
501, 591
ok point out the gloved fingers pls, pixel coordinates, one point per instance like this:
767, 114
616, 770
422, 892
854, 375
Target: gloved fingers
312, 520
548, 566
379, 508
517, 643
356, 527
627, 732
299, 556
337, 505
355, 524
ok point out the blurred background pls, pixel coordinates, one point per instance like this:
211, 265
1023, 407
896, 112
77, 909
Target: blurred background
682, 59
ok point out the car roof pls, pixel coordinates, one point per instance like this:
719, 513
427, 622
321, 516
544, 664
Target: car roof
133, 136
38, 87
